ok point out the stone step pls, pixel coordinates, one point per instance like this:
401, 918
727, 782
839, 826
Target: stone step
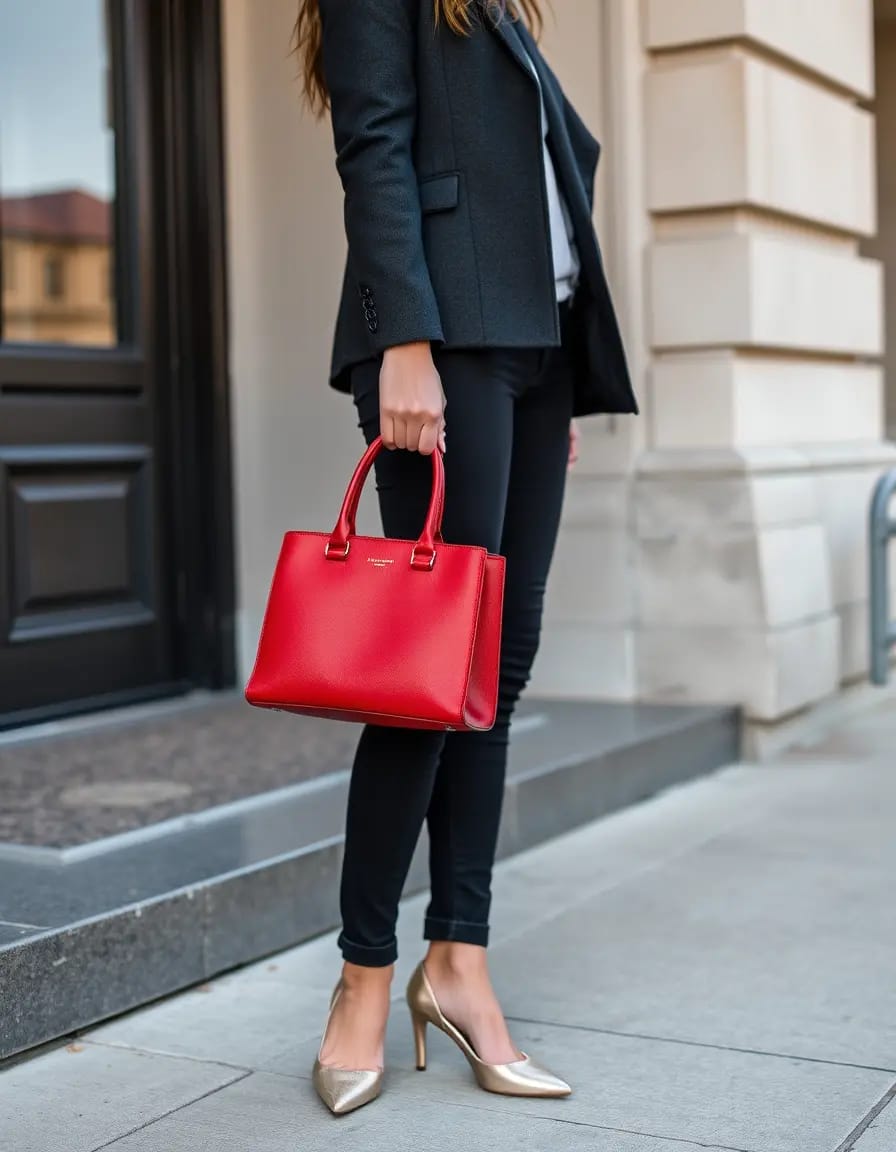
92, 929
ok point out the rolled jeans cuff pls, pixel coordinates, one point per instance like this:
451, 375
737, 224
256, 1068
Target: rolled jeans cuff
461, 931
380, 956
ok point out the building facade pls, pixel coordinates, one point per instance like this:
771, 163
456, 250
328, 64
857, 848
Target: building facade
713, 549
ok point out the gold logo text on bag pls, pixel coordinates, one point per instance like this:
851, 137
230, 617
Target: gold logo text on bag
378, 562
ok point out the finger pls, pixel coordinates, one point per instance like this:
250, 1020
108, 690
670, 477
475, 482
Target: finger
415, 428
387, 430
429, 439
401, 432
442, 441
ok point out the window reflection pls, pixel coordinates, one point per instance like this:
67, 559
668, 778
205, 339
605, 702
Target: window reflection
57, 174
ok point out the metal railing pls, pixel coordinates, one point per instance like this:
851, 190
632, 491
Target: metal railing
883, 530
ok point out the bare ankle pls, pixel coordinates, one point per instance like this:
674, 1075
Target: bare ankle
356, 978
456, 959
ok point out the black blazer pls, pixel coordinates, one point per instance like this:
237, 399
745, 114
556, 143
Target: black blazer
439, 149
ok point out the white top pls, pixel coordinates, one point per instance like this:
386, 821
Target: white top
563, 248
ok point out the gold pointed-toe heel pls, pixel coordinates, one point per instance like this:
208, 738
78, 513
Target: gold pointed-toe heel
519, 1078
344, 1090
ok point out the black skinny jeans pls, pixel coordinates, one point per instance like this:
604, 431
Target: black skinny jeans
507, 417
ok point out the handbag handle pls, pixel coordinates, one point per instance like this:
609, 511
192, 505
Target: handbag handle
423, 554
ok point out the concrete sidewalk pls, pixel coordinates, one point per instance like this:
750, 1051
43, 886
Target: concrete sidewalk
713, 969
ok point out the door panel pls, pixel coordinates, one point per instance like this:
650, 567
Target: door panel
71, 535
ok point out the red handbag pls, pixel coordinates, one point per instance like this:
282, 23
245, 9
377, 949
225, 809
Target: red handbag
391, 632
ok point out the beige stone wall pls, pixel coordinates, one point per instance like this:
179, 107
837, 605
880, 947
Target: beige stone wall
766, 331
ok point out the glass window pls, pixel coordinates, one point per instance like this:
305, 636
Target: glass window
54, 278
8, 256
57, 173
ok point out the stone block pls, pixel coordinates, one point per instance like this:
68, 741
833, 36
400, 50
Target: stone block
706, 504
596, 502
583, 661
102, 965
688, 580
831, 37
697, 134
591, 578
771, 673
609, 444
706, 399
795, 571
666, 507
854, 640
784, 499
733, 129
774, 577
269, 907
764, 292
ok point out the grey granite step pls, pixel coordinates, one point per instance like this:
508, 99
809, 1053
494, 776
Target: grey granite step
93, 928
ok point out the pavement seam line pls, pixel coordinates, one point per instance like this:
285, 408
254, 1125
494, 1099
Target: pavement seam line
171, 1112
865, 1123
604, 1128
700, 1044
165, 1054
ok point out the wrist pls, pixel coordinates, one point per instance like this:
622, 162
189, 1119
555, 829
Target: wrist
413, 350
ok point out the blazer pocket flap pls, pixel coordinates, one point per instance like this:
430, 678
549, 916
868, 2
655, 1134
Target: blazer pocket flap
439, 193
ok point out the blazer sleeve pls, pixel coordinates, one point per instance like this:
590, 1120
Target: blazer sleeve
369, 65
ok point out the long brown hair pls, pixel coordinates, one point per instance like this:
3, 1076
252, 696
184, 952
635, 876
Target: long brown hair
455, 14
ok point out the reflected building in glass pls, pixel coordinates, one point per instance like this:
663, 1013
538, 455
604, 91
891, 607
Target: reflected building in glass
57, 269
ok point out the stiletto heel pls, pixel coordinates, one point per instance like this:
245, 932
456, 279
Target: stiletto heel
344, 1089
419, 1039
519, 1078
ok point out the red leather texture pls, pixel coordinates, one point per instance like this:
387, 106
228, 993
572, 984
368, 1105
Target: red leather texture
393, 632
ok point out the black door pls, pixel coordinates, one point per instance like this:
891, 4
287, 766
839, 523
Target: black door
108, 440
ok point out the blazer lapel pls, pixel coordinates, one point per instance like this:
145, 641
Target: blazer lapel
506, 32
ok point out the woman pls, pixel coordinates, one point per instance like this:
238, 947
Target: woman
473, 286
